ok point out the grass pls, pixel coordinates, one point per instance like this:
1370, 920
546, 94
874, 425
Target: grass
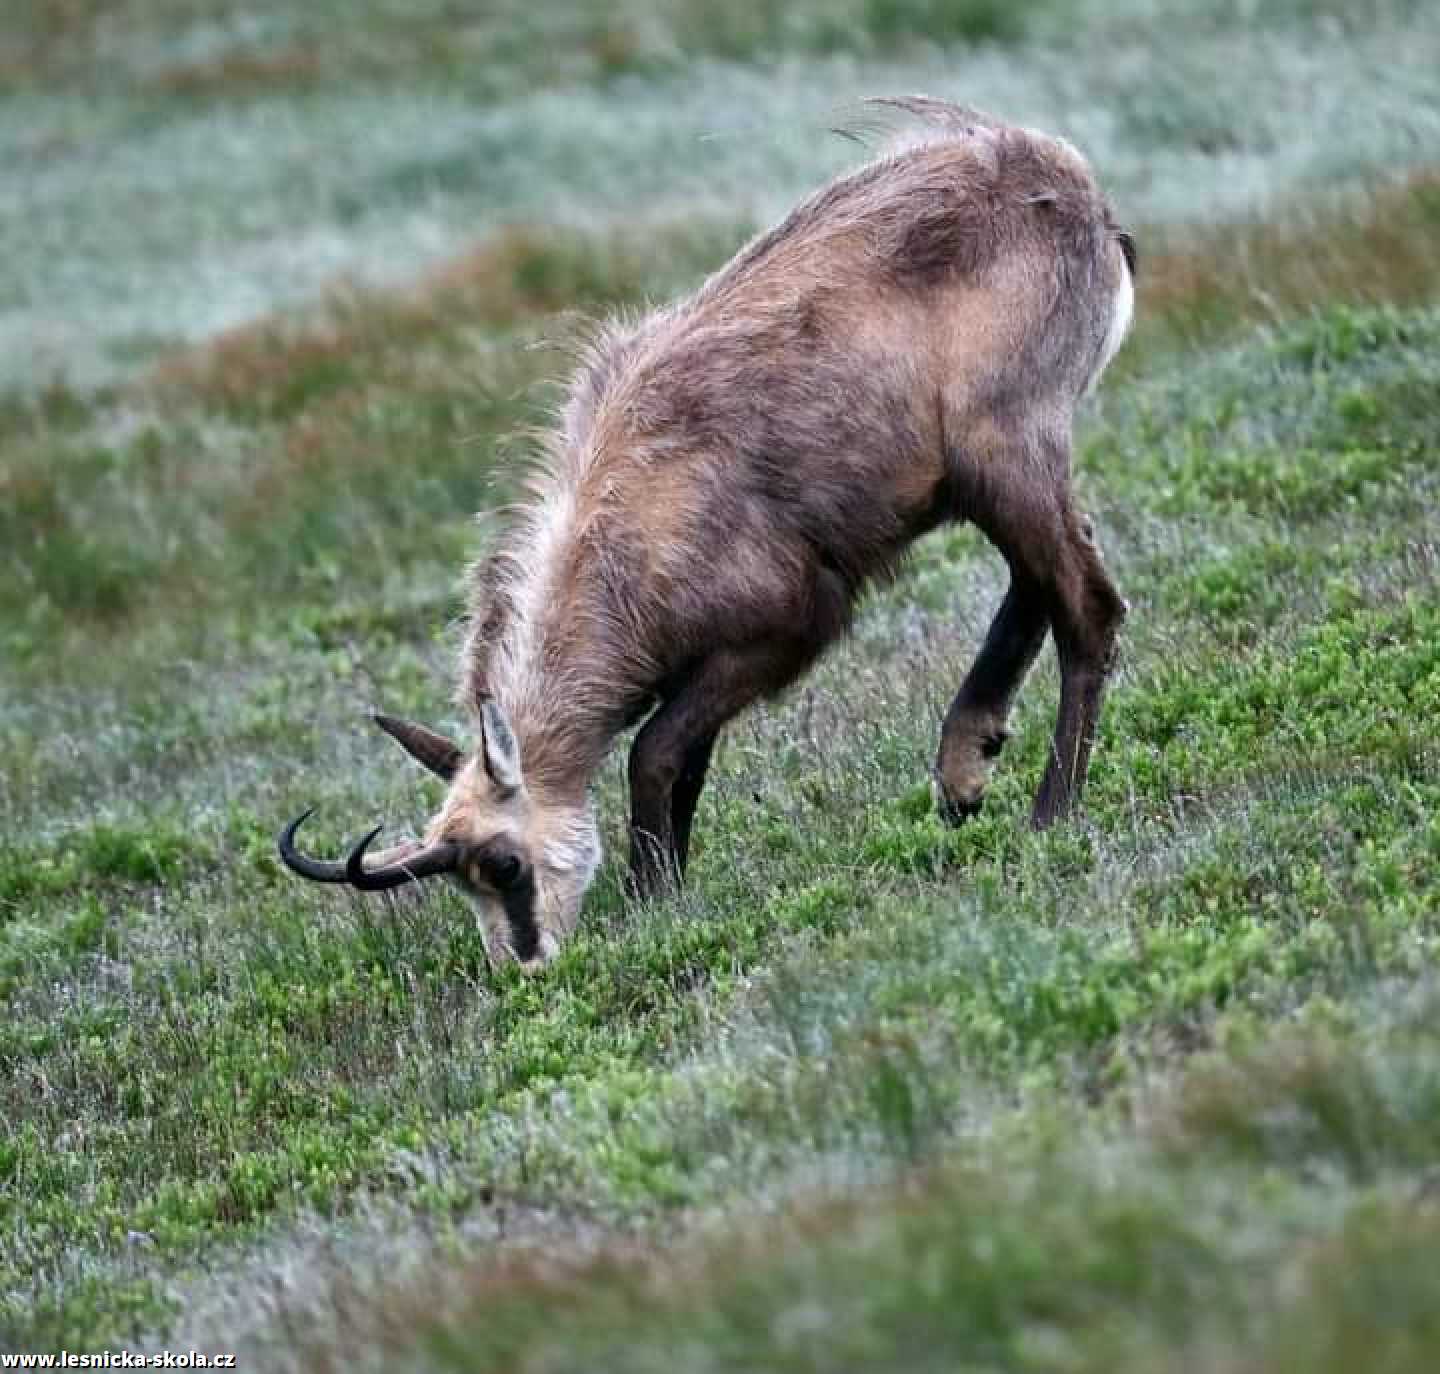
1156, 1089
1040, 1250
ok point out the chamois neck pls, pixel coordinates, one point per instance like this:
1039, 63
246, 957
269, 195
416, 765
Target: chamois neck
561, 750
547, 612
565, 693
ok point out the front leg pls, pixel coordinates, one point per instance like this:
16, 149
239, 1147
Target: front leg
667, 774
686, 795
671, 753
653, 774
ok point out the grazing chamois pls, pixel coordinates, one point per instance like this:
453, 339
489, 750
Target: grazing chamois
906, 348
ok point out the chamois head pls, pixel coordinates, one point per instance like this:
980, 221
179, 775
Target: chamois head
523, 862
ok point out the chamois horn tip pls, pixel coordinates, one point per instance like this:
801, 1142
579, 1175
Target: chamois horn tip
316, 869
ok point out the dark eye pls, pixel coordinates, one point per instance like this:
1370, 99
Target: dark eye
505, 871
994, 744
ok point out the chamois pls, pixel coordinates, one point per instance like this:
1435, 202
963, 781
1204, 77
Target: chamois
906, 348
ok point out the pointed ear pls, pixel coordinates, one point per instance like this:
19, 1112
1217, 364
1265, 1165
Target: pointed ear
498, 748
434, 751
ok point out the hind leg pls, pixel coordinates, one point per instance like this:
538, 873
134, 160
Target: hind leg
1086, 614
1022, 501
975, 728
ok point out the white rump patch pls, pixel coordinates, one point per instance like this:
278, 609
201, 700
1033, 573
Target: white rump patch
1122, 312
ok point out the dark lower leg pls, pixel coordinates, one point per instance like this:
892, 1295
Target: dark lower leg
1081, 693
653, 864
686, 795
1087, 614
671, 753
975, 725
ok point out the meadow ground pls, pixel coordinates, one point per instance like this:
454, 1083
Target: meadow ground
283, 287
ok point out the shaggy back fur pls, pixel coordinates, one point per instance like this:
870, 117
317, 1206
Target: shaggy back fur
736, 466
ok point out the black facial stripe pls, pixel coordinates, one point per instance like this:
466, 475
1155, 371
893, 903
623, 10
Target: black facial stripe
519, 900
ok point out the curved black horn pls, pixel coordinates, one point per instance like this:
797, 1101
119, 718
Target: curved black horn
424, 863
417, 863
318, 870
